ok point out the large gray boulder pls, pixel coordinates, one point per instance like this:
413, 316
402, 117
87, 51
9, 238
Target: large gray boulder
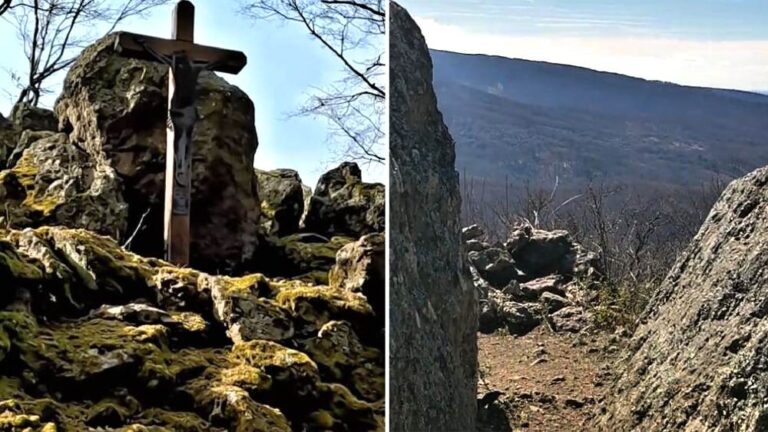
698, 361
116, 108
282, 200
433, 310
342, 204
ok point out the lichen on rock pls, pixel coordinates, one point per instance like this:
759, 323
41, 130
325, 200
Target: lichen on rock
94, 336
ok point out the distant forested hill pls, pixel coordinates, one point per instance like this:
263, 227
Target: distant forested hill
529, 120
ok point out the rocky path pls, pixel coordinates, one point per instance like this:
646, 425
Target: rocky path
550, 382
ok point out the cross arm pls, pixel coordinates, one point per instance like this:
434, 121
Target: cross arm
221, 60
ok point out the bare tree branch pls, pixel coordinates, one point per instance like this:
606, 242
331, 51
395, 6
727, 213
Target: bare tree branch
353, 31
52, 31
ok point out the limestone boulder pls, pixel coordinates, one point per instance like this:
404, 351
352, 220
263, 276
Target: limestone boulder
360, 267
117, 109
282, 200
54, 182
342, 204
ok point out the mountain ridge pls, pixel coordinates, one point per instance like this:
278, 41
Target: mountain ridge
528, 120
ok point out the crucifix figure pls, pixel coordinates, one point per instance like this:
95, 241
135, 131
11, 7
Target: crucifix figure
186, 60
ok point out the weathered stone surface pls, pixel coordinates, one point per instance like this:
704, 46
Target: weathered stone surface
433, 309
57, 183
117, 109
533, 274
282, 200
247, 316
27, 117
698, 358
93, 336
501, 311
539, 253
495, 266
535, 289
472, 232
360, 267
553, 302
571, 319
343, 205
306, 256
344, 359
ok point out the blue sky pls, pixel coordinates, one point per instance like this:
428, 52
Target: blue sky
284, 65
718, 43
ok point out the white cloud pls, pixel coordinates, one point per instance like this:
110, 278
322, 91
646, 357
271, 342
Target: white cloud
723, 64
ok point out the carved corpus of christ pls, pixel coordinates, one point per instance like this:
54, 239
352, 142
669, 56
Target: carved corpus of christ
185, 60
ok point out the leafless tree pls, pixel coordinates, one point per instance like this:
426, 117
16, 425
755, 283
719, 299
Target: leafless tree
353, 31
52, 33
4, 6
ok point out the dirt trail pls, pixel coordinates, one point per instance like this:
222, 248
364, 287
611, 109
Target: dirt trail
551, 382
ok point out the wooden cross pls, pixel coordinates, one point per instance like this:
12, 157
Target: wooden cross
185, 60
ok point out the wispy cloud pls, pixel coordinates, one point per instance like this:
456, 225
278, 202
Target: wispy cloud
725, 64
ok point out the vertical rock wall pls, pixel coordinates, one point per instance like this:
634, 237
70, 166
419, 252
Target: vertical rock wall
699, 360
433, 315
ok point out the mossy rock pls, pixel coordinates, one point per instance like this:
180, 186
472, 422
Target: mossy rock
315, 306
54, 182
307, 256
342, 204
93, 336
342, 358
342, 411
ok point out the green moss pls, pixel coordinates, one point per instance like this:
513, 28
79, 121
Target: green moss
340, 410
19, 337
344, 359
243, 286
249, 378
177, 421
286, 367
320, 304
14, 268
233, 407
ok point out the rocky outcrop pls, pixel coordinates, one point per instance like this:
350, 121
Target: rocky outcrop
697, 361
56, 183
282, 200
360, 268
93, 337
529, 279
342, 204
116, 109
25, 119
433, 310
28, 117
301, 256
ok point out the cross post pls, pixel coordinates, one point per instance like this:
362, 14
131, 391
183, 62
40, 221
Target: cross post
185, 60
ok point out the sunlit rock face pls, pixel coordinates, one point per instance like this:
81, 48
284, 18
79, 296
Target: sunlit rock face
433, 311
698, 359
116, 108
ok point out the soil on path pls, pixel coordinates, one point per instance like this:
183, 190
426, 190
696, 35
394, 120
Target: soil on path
549, 382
